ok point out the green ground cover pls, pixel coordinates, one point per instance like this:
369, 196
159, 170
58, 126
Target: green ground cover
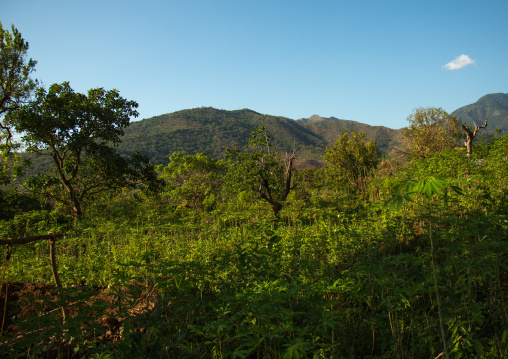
409, 269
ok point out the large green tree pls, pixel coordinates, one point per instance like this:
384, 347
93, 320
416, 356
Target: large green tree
431, 130
351, 160
16, 88
78, 131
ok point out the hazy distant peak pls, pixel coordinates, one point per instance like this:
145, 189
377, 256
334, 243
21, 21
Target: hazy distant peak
314, 118
497, 96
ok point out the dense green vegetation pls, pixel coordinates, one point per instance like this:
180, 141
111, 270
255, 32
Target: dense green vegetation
239, 256
338, 276
78, 132
210, 131
330, 129
16, 87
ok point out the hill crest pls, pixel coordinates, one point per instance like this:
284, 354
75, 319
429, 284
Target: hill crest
210, 131
492, 107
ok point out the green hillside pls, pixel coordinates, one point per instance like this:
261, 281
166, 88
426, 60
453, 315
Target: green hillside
210, 131
493, 107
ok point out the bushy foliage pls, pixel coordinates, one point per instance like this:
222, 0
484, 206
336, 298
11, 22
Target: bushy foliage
16, 88
431, 130
193, 180
15, 81
261, 169
418, 273
351, 161
78, 131
13, 202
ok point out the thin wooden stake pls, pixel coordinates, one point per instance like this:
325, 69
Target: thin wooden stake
54, 269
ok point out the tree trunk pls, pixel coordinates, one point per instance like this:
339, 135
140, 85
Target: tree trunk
471, 135
276, 209
76, 209
76, 205
469, 146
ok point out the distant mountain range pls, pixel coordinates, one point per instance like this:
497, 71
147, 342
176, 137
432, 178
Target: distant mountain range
211, 131
329, 130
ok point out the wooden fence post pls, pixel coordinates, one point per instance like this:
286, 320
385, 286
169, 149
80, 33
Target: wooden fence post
54, 267
52, 260
52, 255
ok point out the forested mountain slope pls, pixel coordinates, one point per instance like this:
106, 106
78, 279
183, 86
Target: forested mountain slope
330, 128
493, 107
210, 131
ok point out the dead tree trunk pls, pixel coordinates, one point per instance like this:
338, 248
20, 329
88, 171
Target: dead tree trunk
471, 135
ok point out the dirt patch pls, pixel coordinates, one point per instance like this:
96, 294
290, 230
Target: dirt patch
34, 316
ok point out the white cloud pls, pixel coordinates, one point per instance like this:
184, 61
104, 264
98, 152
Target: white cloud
459, 62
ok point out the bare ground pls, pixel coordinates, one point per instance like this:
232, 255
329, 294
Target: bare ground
33, 322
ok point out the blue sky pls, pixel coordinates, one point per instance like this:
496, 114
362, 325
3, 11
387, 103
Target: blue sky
367, 61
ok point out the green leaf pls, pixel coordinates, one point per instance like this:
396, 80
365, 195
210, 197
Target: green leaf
291, 353
478, 347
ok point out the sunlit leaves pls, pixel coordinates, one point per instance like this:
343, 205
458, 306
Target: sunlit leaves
77, 130
351, 160
64, 120
16, 88
16, 85
431, 130
193, 180
260, 169
428, 188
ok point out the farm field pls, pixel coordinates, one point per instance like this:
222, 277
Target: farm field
395, 272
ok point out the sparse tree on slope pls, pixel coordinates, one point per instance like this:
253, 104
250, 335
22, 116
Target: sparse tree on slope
263, 170
471, 134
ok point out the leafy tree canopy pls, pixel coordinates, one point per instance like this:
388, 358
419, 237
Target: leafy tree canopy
261, 169
431, 130
77, 131
193, 180
16, 88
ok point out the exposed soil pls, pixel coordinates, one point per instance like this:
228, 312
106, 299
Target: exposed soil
309, 164
34, 317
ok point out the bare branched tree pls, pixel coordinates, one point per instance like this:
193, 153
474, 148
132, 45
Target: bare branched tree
276, 198
471, 134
